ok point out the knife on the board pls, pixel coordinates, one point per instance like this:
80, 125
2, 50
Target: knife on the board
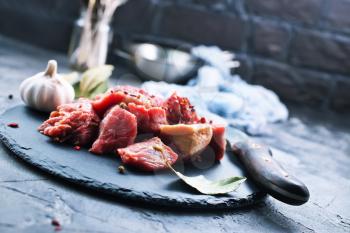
264, 170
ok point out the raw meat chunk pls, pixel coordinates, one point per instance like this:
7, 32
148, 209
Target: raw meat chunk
76, 123
149, 155
118, 129
189, 140
126, 94
218, 142
180, 110
148, 120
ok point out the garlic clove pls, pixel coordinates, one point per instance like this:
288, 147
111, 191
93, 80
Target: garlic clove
46, 90
51, 69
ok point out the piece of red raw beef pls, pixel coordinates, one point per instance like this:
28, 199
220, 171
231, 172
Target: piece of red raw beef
148, 119
179, 110
76, 123
118, 129
218, 141
149, 155
126, 94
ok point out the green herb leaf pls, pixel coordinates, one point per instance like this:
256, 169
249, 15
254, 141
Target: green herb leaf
76, 87
73, 77
206, 186
94, 77
101, 88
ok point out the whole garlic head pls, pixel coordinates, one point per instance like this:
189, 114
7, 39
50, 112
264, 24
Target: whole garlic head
46, 90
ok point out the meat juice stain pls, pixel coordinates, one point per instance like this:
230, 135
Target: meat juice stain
13, 125
56, 224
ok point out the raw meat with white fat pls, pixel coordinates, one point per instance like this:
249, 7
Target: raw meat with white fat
189, 140
127, 110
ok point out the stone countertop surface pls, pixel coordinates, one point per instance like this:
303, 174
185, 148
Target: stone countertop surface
315, 146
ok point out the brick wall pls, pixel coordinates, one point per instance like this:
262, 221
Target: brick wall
299, 48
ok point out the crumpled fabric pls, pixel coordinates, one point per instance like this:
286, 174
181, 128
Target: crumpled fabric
225, 98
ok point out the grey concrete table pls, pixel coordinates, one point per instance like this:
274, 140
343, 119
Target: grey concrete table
314, 145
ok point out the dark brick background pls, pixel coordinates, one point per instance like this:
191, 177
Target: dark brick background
299, 48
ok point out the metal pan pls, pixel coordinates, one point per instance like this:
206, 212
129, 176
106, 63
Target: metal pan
160, 63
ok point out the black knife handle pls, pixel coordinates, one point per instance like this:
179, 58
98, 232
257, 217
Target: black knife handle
269, 175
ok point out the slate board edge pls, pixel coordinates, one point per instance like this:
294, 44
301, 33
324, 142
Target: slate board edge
211, 202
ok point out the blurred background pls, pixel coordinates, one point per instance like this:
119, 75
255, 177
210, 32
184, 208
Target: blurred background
300, 49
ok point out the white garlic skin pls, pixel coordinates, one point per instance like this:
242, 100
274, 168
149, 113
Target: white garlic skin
45, 91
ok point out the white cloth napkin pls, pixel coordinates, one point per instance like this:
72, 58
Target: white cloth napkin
225, 98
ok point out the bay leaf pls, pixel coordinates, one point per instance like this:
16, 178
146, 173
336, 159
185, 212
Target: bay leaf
93, 77
205, 186
101, 88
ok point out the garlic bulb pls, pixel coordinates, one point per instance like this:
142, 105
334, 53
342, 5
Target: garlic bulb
46, 90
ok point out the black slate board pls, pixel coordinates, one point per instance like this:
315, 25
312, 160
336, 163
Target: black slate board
100, 172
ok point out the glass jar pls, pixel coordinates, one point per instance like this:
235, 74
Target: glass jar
89, 42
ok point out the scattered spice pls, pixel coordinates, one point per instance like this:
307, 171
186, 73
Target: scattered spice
55, 222
125, 92
210, 122
123, 105
10, 96
158, 148
121, 169
13, 125
77, 148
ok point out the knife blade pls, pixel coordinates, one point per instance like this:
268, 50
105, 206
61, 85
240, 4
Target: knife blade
264, 170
